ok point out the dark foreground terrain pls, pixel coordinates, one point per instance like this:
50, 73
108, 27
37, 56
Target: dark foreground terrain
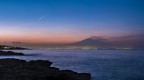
14, 69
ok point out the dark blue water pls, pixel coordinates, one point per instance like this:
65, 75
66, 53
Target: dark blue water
102, 64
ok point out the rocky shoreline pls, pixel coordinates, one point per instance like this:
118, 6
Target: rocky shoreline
15, 69
6, 53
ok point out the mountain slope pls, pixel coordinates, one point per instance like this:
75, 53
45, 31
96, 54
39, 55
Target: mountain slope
90, 42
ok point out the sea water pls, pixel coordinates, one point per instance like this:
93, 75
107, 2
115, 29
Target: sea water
101, 64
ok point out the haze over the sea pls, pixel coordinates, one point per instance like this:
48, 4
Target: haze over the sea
67, 21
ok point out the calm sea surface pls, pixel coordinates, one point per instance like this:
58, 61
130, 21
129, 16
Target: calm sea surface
102, 64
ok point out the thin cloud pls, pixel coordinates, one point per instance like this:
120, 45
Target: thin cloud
41, 18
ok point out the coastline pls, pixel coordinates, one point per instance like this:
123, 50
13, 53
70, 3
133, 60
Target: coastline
12, 69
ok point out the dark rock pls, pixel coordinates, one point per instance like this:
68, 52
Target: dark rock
6, 53
40, 62
14, 69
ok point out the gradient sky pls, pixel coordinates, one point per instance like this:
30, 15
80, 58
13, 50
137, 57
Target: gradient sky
69, 20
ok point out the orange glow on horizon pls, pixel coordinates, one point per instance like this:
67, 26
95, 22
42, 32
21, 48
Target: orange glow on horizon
40, 38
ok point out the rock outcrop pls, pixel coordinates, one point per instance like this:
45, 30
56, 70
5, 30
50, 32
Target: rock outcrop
6, 53
15, 69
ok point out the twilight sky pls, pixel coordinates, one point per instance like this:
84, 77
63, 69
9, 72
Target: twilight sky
60, 21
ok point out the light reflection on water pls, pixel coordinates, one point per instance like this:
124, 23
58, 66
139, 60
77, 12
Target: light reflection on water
102, 64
